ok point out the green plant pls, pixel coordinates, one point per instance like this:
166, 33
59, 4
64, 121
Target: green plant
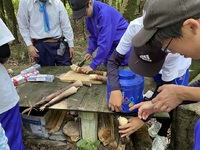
88, 145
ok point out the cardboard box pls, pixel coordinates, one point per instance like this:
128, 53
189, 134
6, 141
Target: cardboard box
35, 122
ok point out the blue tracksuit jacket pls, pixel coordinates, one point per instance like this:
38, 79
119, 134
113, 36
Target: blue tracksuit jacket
106, 27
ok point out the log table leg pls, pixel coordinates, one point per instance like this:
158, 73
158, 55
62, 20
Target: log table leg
89, 122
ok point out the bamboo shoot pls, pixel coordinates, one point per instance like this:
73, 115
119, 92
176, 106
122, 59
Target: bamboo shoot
58, 98
53, 95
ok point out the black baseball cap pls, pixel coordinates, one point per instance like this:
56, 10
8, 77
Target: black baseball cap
158, 14
146, 60
78, 7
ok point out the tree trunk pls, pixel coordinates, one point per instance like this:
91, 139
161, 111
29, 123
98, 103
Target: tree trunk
110, 2
124, 4
2, 13
132, 10
9, 8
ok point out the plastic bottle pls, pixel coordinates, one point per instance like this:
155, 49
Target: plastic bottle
30, 69
132, 89
19, 79
41, 77
154, 129
3, 140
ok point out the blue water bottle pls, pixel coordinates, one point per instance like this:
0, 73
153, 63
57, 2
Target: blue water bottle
132, 89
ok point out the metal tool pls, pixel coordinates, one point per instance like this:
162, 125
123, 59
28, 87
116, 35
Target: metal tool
80, 64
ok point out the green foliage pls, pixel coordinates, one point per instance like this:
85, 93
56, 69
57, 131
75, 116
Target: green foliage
69, 10
87, 145
15, 5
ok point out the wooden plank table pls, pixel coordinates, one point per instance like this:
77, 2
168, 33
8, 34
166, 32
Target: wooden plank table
88, 101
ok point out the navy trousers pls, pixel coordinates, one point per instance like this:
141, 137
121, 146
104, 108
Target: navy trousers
11, 123
49, 57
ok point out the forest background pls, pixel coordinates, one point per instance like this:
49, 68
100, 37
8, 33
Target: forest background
130, 9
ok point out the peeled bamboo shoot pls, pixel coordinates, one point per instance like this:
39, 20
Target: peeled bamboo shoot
97, 77
58, 98
53, 95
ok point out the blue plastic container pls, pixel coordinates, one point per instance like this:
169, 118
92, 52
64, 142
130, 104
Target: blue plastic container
132, 89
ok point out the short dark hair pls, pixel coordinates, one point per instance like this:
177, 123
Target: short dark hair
172, 31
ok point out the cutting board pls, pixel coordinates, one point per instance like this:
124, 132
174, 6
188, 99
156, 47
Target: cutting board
72, 76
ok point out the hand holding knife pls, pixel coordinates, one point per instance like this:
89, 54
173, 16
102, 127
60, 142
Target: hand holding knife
80, 64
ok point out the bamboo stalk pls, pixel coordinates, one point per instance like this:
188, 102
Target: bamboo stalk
58, 98
78, 69
53, 95
97, 77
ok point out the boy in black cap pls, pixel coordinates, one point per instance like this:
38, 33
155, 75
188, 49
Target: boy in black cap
105, 26
180, 34
178, 31
174, 71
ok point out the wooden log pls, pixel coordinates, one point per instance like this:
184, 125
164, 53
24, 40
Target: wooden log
71, 129
51, 119
55, 120
106, 129
59, 123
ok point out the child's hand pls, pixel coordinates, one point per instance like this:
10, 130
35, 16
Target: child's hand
132, 126
87, 56
116, 99
86, 69
144, 109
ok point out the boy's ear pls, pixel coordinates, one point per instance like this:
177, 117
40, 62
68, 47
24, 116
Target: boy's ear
192, 24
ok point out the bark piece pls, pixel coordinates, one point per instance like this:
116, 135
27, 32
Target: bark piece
51, 119
59, 123
55, 120
71, 129
106, 129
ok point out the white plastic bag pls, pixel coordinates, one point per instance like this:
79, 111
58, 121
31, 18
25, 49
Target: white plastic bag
159, 143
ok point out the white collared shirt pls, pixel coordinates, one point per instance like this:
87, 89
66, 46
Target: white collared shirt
31, 24
8, 94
